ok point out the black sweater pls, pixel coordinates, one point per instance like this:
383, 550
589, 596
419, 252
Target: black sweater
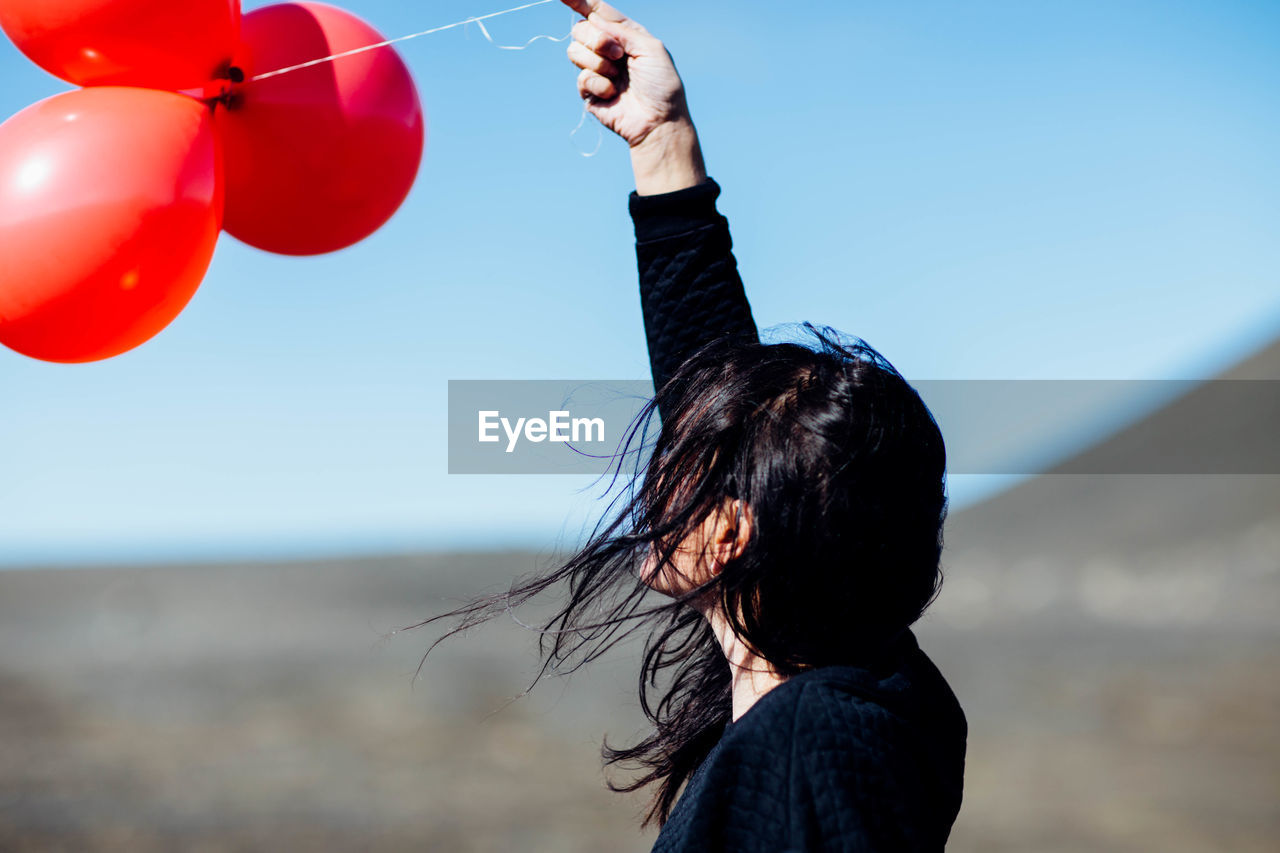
839, 758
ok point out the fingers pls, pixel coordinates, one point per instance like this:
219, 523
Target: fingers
604, 10
592, 85
587, 8
601, 45
591, 61
593, 39
635, 39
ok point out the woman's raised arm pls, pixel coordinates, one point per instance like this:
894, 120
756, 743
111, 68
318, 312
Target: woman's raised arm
690, 289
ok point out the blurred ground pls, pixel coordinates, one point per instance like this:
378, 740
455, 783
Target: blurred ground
264, 707
261, 707
1115, 642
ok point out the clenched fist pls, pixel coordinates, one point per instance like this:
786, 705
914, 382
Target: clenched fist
630, 83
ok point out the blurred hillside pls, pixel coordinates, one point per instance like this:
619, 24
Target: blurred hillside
1114, 641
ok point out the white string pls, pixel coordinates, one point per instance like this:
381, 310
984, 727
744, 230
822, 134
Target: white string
476, 20
484, 31
581, 122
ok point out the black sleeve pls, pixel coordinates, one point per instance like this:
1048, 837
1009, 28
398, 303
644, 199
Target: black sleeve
690, 290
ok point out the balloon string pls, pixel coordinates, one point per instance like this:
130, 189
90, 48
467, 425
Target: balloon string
478, 20
573, 134
484, 31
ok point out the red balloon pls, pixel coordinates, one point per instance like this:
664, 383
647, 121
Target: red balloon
110, 205
160, 44
319, 158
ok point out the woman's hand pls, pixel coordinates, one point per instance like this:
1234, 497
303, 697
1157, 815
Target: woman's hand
630, 84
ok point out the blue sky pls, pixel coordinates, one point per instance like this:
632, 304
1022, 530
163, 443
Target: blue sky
981, 190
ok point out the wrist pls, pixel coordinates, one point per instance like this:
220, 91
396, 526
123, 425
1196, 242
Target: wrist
669, 158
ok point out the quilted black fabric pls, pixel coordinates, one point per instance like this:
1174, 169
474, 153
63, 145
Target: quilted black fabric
838, 758
690, 289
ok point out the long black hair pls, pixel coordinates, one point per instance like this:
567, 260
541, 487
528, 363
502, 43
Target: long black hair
843, 470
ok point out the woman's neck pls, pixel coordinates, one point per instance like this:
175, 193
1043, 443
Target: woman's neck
752, 675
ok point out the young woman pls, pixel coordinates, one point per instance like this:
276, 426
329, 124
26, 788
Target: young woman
790, 511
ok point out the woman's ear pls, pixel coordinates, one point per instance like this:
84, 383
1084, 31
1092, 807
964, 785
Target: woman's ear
732, 532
